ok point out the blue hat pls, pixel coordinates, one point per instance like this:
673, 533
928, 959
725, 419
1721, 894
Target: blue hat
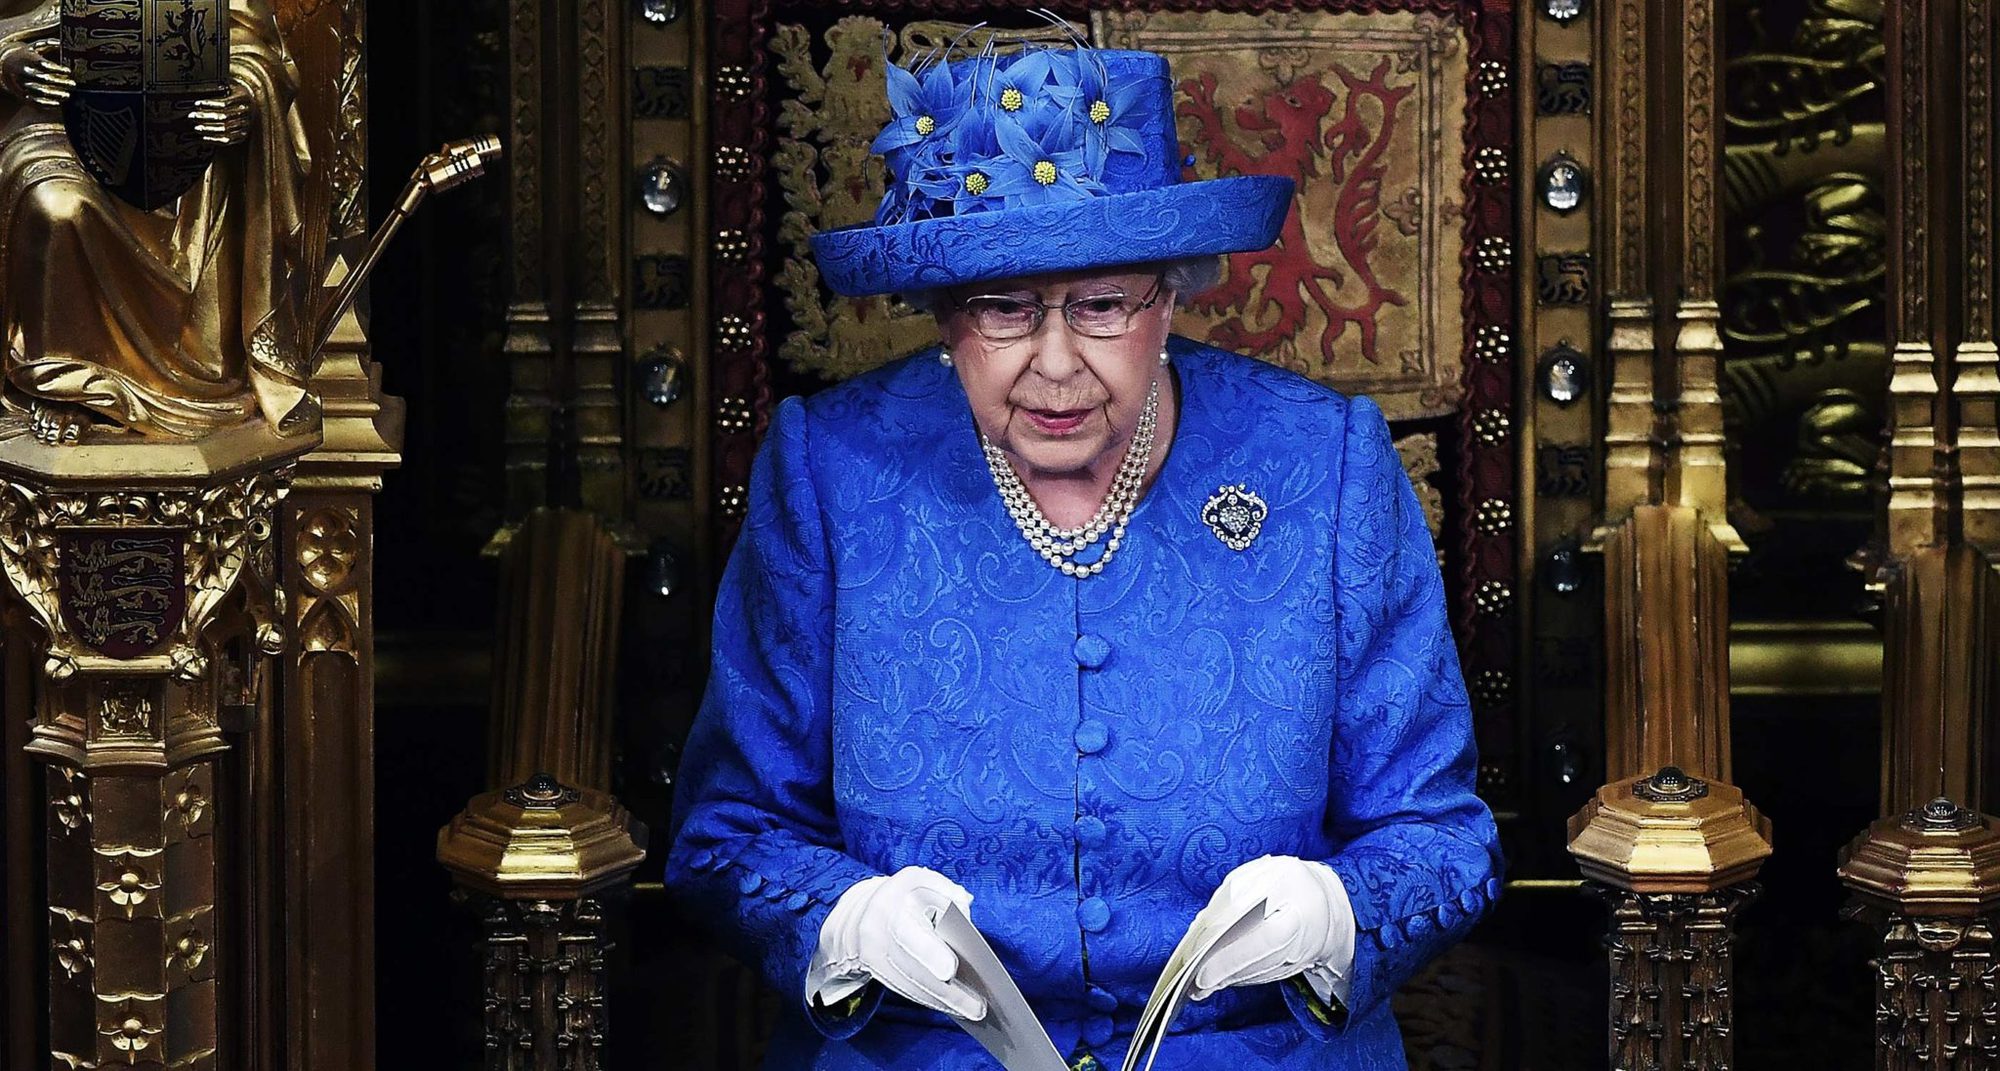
1045, 160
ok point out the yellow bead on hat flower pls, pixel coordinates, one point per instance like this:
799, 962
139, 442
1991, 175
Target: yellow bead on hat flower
1011, 99
1045, 173
925, 125
975, 184
1100, 112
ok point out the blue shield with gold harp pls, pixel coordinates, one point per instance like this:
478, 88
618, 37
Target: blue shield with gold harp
140, 67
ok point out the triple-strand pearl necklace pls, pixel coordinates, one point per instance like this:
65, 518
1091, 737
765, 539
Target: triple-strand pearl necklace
1060, 546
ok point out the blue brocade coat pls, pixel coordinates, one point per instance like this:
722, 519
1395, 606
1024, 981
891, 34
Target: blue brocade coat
899, 679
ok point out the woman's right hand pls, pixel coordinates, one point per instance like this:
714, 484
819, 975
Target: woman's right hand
884, 929
32, 73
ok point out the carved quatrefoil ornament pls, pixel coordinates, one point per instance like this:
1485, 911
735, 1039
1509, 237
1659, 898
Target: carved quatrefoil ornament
1235, 514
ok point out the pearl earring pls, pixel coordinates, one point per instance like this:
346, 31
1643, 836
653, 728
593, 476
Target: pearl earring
944, 357
1163, 357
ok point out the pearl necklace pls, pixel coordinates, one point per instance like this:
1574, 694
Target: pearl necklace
1060, 546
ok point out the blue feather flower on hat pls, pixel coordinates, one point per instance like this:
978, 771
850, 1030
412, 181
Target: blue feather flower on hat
1104, 112
1045, 159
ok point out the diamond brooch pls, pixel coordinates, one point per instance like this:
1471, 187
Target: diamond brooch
1235, 514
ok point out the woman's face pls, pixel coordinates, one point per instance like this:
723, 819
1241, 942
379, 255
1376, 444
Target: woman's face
1061, 402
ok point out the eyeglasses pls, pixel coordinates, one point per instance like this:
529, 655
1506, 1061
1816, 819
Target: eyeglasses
1005, 317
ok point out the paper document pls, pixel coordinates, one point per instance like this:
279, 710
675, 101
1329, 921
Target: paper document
1015, 1037
1010, 1030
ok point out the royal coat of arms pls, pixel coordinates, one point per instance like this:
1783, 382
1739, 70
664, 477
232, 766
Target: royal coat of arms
140, 67
122, 592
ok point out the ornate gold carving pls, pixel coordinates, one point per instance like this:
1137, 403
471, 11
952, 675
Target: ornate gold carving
598, 243
1909, 96
133, 1027
534, 858
207, 332
1935, 998
1928, 881
1976, 39
1629, 186
127, 711
188, 802
524, 22
350, 157
1674, 855
226, 527
528, 943
1699, 209
328, 547
135, 935
70, 944
1672, 962
67, 812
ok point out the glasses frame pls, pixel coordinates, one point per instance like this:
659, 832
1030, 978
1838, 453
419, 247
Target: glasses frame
1043, 308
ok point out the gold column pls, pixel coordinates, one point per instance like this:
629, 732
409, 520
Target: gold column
322, 757
1667, 841
149, 570
535, 860
1926, 875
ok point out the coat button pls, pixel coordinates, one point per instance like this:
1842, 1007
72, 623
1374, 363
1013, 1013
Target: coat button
1093, 914
1091, 651
1090, 831
1097, 1029
1100, 1000
1091, 736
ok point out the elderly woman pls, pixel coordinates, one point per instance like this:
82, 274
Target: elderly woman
1078, 625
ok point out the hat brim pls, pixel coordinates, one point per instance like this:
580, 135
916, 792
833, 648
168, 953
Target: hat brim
1224, 215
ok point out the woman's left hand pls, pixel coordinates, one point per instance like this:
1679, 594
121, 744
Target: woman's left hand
1306, 927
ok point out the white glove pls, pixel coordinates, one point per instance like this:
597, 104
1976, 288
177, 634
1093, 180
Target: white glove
885, 929
1307, 928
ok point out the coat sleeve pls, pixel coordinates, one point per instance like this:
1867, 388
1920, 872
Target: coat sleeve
756, 855
1417, 850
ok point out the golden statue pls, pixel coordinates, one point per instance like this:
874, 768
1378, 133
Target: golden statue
173, 322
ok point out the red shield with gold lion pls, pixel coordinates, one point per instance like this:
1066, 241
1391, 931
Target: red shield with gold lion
122, 589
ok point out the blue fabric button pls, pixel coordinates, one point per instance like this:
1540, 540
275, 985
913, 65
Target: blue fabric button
1093, 914
1090, 831
1091, 736
1097, 1029
1100, 1000
1090, 651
